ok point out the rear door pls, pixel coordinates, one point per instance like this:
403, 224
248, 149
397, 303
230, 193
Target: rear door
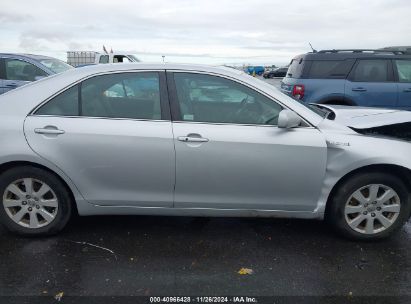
111, 134
402, 69
371, 83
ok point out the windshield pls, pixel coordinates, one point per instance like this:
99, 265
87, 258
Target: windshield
133, 58
295, 69
57, 66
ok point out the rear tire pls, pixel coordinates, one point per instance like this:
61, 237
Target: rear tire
360, 208
34, 202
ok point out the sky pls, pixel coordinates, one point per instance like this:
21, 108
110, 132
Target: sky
202, 31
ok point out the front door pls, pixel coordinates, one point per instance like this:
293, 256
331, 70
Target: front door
231, 155
112, 137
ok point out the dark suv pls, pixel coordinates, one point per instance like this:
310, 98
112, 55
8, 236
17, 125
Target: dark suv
375, 78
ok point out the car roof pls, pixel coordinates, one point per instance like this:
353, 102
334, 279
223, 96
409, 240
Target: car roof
351, 54
22, 55
118, 67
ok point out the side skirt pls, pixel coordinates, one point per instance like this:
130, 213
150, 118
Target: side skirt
89, 209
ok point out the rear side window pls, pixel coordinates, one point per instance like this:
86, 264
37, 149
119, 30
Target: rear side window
371, 71
335, 69
64, 104
404, 70
295, 69
123, 95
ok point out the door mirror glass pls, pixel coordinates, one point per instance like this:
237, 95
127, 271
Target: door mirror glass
288, 119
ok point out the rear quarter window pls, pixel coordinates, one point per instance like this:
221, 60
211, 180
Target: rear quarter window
330, 69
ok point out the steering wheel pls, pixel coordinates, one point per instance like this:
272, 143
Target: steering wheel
243, 104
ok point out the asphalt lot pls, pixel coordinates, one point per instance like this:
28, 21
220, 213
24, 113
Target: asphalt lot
153, 256
147, 255
274, 81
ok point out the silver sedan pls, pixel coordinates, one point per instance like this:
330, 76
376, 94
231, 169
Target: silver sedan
190, 140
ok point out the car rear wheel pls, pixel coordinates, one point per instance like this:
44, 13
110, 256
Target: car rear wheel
34, 202
369, 206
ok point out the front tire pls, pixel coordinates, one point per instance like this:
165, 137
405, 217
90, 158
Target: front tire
369, 206
34, 202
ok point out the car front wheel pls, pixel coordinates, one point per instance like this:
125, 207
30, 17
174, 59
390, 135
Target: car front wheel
369, 206
34, 202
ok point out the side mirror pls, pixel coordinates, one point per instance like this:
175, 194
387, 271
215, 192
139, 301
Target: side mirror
288, 119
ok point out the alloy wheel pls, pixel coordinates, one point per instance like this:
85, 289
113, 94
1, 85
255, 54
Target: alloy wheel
372, 209
30, 203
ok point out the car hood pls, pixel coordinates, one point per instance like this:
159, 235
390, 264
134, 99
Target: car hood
366, 118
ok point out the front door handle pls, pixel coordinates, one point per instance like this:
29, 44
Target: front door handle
359, 89
48, 130
407, 90
192, 138
12, 85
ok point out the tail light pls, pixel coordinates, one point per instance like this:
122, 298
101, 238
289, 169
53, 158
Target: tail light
298, 91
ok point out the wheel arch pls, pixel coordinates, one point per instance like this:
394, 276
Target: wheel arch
397, 170
14, 164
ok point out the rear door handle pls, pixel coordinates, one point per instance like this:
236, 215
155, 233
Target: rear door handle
192, 138
407, 90
46, 130
359, 89
11, 85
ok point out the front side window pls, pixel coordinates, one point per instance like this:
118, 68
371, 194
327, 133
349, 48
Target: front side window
404, 70
22, 70
371, 71
206, 98
123, 95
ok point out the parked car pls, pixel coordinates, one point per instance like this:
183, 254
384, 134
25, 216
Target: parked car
84, 58
278, 72
19, 69
376, 78
258, 70
190, 140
